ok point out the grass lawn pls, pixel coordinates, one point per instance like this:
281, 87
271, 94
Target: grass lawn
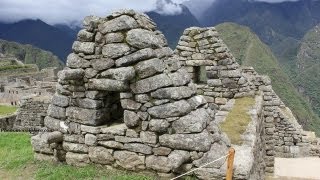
238, 119
17, 162
7, 110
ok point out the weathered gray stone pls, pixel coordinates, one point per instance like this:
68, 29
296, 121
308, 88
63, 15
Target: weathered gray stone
129, 160
114, 38
88, 103
144, 21
148, 137
142, 98
194, 122
100, 155
74, 61
130, 118
135, 57
124, 139
158, 163
83, 47
96, 94
192, 142
149, 67
180, 78
44, 157
173, 93
139, 148
197, 101
90, 140
214, 82
102, 64
217, 150
115, 130
121, 23
132, 133
74, 138
141, 38
115, 50
107, 85
230, 73
57, 112
151, 83
129, 104
178, 157
90, 73
111, 144
159, 125
55, 124
163, 52
174, 109
73, 147
90, 22
86, 116
76, 159
85, 36
71, 74
161, 151
60, 100
121, 74
40, 145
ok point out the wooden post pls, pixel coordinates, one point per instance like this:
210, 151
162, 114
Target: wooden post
230, 164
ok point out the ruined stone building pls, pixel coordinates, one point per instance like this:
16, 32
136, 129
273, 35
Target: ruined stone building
128, 101
15, 85
29, 89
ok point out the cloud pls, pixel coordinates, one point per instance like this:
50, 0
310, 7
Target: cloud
71, 11
275, 1
167, 7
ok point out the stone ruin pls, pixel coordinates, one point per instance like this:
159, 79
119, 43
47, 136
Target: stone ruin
128, 101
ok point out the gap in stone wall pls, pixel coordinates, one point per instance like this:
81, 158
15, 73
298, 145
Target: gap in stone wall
115, 109
200, 75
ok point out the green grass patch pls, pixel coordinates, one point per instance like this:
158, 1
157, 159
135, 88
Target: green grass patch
238, 119
15, 150
16, 161
7, 110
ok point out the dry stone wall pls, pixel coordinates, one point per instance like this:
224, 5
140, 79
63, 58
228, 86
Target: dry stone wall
128, 101
211, 66
31, 113
122, 64
7, 122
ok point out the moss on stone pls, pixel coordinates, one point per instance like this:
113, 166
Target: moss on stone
238, 119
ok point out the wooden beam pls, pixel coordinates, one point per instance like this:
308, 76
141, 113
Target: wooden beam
230, 164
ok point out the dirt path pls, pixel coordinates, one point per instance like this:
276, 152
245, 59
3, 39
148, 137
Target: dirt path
297, 168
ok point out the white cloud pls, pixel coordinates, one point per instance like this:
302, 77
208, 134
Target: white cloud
70, 11
275, 1
167, 7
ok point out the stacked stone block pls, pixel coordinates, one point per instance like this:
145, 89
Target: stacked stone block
31, 113
203, 53
124, 101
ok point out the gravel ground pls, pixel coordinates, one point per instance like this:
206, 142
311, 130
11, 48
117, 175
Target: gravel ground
297, 168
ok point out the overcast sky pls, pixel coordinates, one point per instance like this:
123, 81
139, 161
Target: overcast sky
71, 11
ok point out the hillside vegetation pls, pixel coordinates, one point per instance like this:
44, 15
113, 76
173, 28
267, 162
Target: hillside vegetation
250, 51
29, 54
306, 72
